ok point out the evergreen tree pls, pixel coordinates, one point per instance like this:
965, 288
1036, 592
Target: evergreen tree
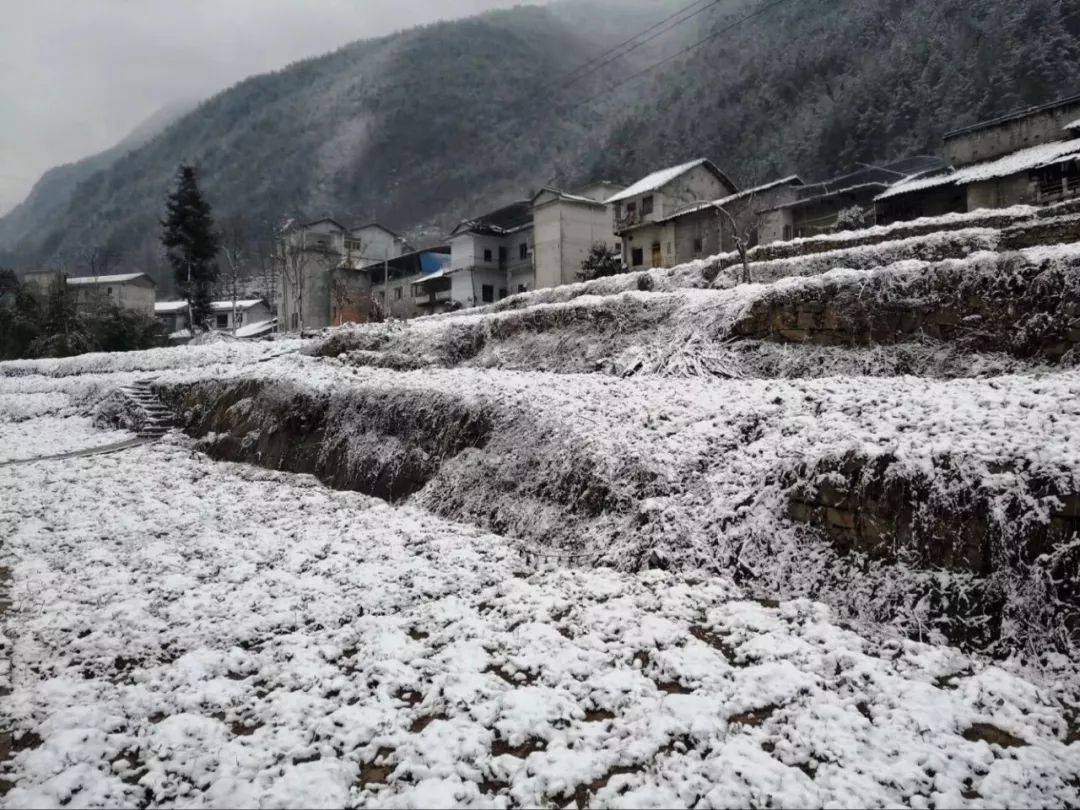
191, 243
601, 261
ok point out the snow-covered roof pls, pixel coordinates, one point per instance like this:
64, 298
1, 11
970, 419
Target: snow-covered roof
1072, 125
119, 278
792, 179
568, 197
222, 306
167, 307
1033, 157
257, 329
661, 178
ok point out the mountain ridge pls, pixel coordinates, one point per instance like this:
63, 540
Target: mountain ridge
426, 126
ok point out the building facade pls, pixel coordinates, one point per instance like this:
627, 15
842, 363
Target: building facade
643, 212
135, 292
1030, 157
565, 228
708, 228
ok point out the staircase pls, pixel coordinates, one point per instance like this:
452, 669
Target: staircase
158, 418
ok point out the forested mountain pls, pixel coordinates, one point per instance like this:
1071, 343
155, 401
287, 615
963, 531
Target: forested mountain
420, 128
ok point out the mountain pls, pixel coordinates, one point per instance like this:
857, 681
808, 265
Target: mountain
51, 194
426, 126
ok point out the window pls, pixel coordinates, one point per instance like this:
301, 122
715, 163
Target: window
487, 293
698, 247
787, 232
223, 321
618, 210
523, 250
618, 248
487, 254
631, 209
522, 288
108, 290
503, 254
397, 293
637, 257
646, 204
502, 293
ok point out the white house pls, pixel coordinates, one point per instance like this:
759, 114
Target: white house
173, 316
566, 226
131, 291
640, 210
492, 255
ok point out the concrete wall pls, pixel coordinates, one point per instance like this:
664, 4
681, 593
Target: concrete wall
644, 238
467, 251
565, 232
696, 185
548, 236
697, 235
376, 245
466, 287
309, 256
1001, 192
1008, 136
137, 296
245, 317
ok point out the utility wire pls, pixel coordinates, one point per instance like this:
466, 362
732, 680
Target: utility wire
622, 44
676, 55
645, 41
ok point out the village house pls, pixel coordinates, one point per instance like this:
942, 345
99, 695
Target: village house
643, 211
130, 291
707, 228
254, 313
841, 202
1029, 157
311, 256
566, 227
392, 287
492, 256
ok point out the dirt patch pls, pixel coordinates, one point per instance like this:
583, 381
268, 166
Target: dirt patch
754, 717
985, 732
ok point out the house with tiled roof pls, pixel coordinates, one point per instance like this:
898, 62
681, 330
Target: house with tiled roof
1028, 157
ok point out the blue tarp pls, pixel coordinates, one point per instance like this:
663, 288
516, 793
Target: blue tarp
433, 262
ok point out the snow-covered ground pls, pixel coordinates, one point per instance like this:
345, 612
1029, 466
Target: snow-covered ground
191, 633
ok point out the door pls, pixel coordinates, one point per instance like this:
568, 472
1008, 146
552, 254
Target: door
656, 260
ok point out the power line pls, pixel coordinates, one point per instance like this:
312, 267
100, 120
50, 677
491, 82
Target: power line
601, 55
647, 40
676, 55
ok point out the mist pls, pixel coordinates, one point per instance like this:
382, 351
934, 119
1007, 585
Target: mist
76, 77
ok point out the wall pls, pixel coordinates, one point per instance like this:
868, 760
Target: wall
1001, 192
136, 296
377, 245
643, 238
548, 237
995, 141
301, 253
466, 287
582, 226
930, 202
701, 225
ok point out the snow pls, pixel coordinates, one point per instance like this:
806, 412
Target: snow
783, 181
119, 278
254, 639
222, 306
164, 307
1023, 160
1072, 125
257, 329
655, 181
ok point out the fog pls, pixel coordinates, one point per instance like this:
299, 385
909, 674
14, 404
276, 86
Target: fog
77, 75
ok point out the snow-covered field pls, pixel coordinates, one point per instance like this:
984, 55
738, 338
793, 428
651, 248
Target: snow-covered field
191, 633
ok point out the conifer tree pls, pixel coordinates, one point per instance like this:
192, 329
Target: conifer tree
191, 243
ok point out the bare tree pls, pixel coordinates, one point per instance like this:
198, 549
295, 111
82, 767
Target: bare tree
742, 220
235, 250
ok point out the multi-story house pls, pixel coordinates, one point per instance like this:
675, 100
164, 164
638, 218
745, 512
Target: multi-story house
565, 228
131, 291
642, 212
318, 261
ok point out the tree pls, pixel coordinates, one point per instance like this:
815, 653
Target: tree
742, 220
601, 261
191, 244
236, 250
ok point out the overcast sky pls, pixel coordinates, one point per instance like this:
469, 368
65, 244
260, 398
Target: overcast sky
77, 75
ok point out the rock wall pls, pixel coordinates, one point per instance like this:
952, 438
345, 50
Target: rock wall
1010, 304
